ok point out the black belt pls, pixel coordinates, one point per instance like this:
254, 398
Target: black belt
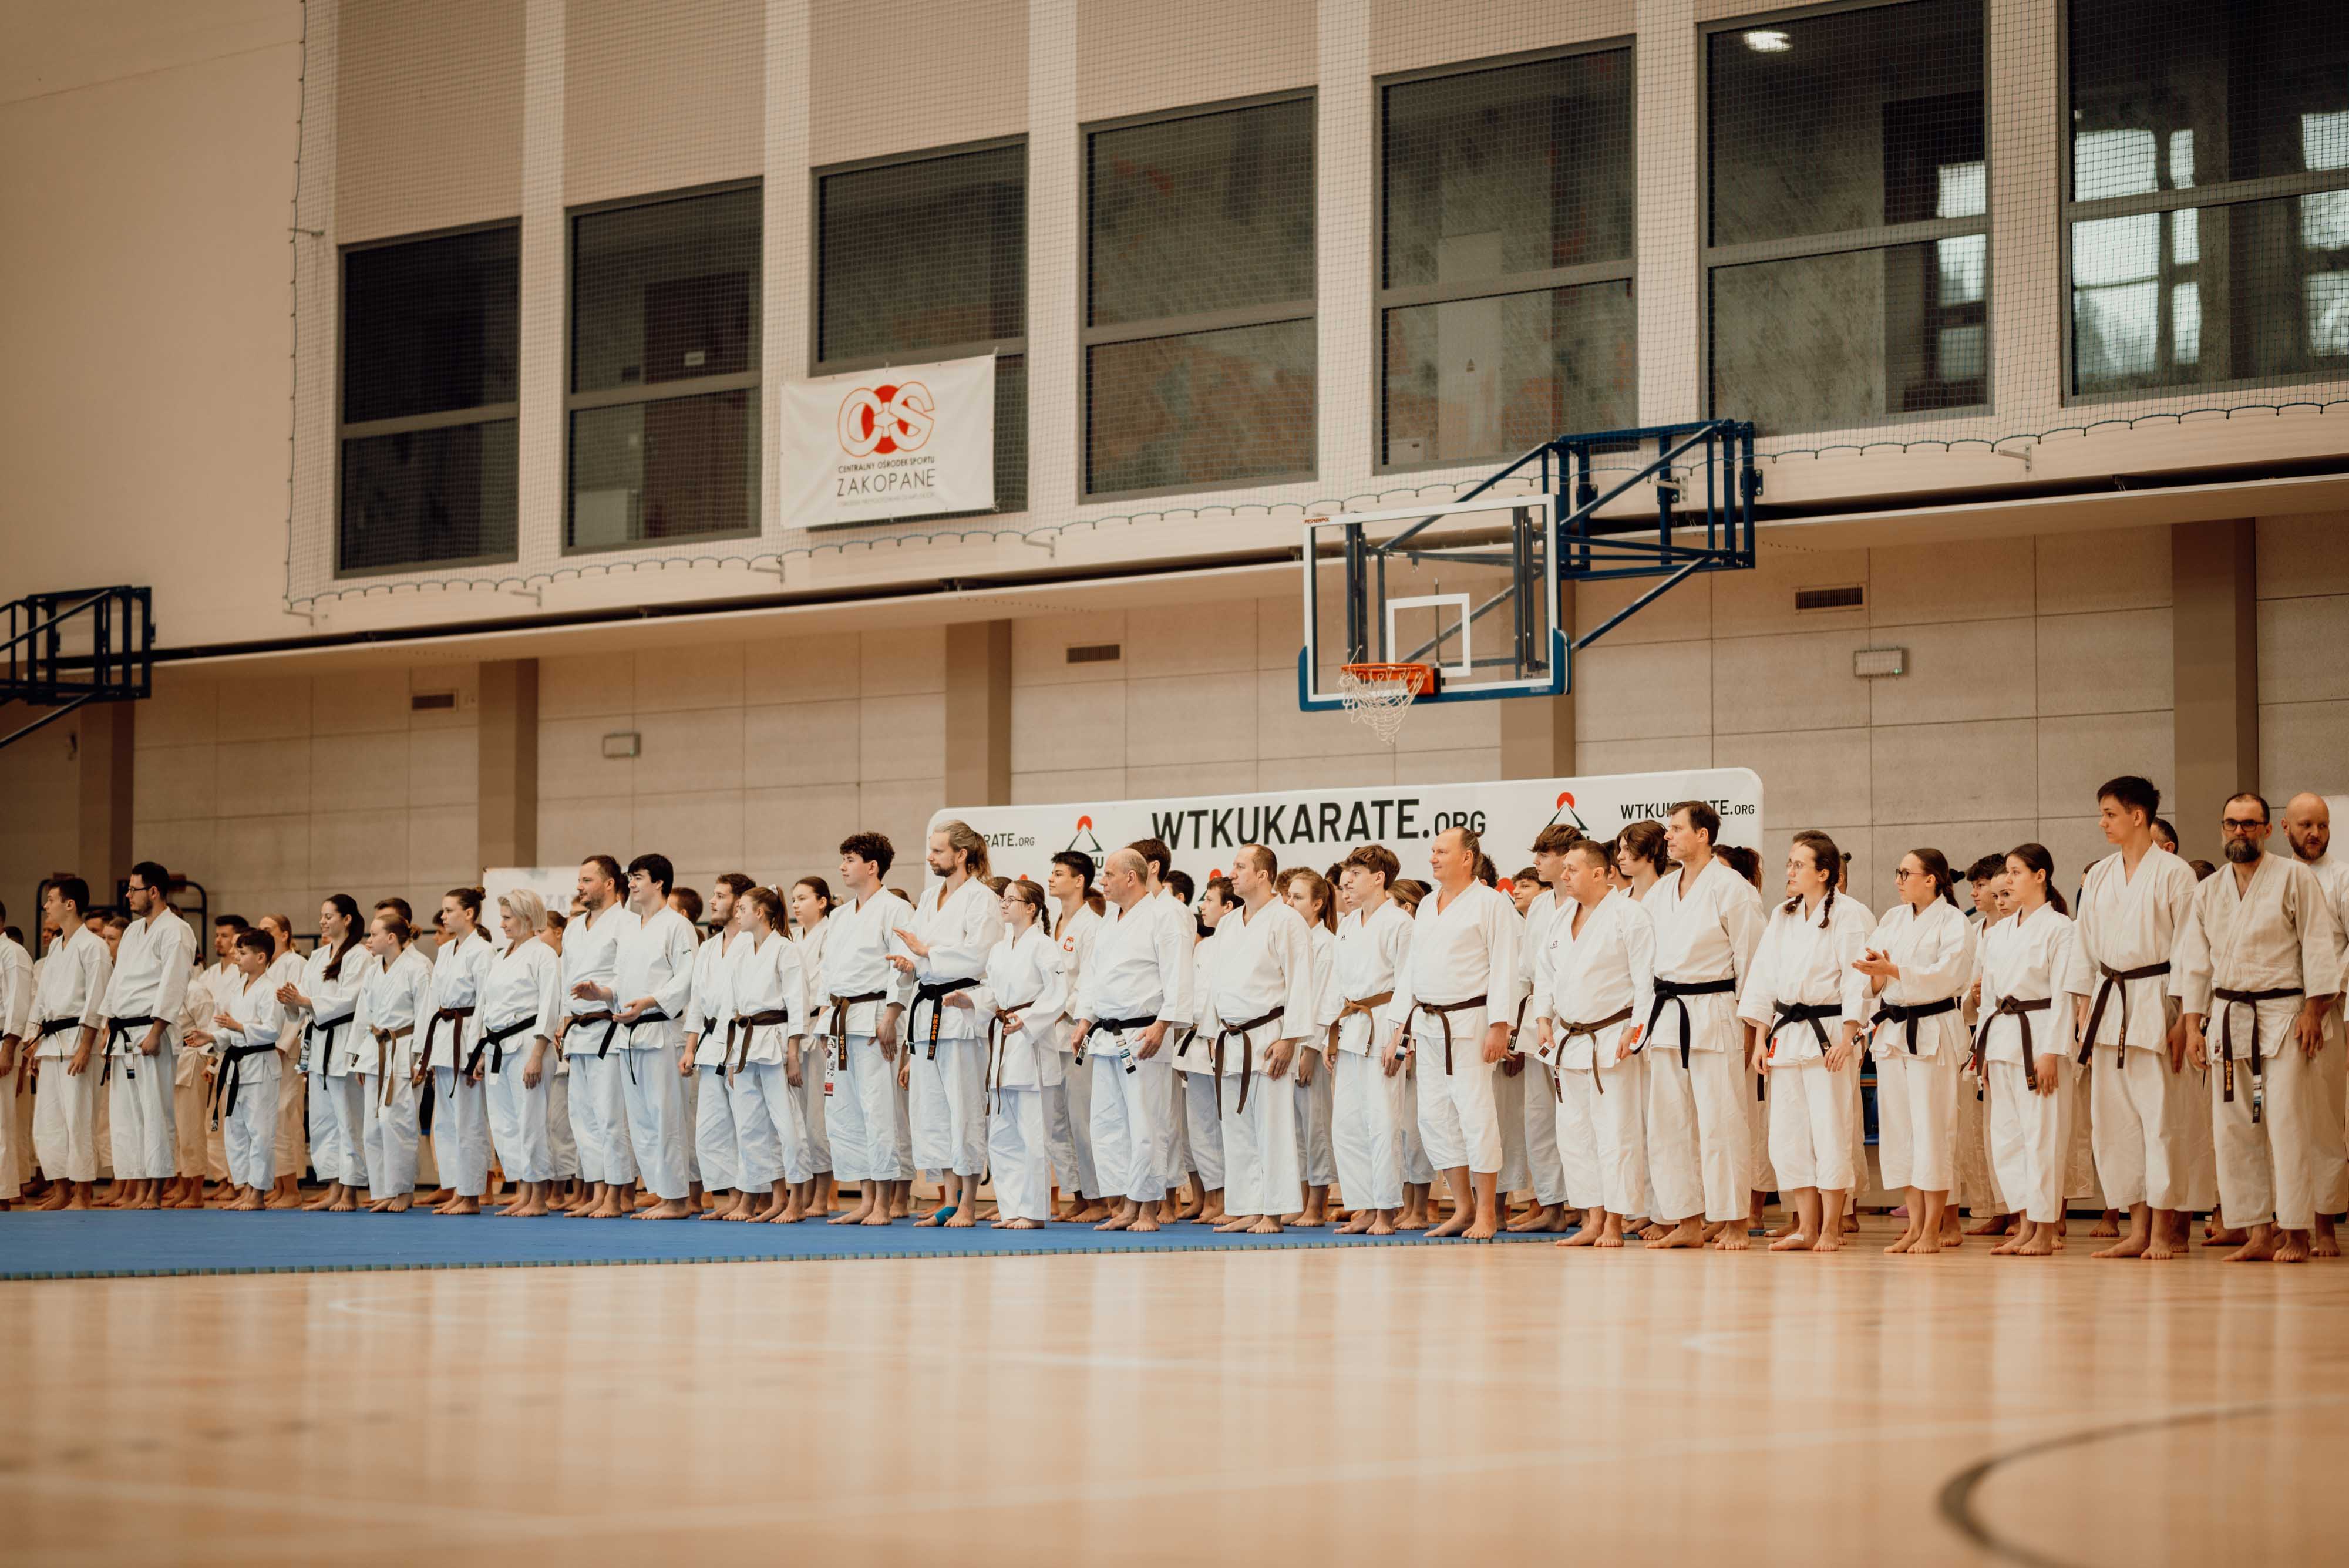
225, 1086
741, 1028
121, 1029
1811, 1013
1894, 1012
936, 995
1674, 992
608, 1019
383, 1039
493, 1040
455, 1018
1127, 1026
2115, 976
1248, 1057
840, 1006
649, 1015
2013, 1007
1567, 1032
325, 1032
55, 1026
2227, 1041
708, 1025
1442, 1015
996, 1050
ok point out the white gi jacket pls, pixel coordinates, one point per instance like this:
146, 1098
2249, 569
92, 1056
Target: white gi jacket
261, 1018
71, 985
1470, 948
395, 1000
524, 986
961, 929
709, 1010
1264, 961
1370, 956
1592, 975
1075, 936
1025, 975
654, 960
1707, 932
151, 967
458, 970
858, 941
1934, 949
2277, 935
16, 990
1139, 967
333, 1004
815, 1006
591, 952
1801, 963
2027, 958
763, 976
1194, 1047
2126, 924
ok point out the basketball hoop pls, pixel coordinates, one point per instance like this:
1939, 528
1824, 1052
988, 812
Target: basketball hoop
1380, 695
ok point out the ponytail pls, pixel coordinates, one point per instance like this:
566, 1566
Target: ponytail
348, 908
2034, 856
1936, 867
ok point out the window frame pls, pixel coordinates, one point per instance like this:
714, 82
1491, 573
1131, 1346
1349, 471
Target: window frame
2071, 211
448, 419
1279, 313
1712, 258
575, 403
1502, 286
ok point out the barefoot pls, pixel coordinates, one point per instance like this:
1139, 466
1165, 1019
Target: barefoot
2106, 1225
1906, 1242
1689, 1232
1586, 1237
1830, 1241
1653, 1232
345, 1204
2040, 1244
671, 1208
248, 1204
57, 1199
1452, 1226
2253, 1252
2129, 1246
1733, 1239
1143, 1221
1483, 1229
879, 1217
534, 1209
1996, 1225
1798, 1240
1092, 1213
1928, 1241
1354, 1226
1021, 1224
2292, 1248
961, 1219
2322, 1241
1411, 1222
1381, 1226
1118, 1223
2225, 1238
462, 1206
1234, 1224
849, 1217
2156, 1249
1266, 1226
1609, 1239
401, 1204
1308, 1221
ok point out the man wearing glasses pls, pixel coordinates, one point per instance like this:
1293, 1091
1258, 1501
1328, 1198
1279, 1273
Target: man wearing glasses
2257, 964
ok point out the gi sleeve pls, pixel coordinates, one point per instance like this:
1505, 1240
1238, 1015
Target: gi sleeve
1744, 921
97, 969
1757, 1002
2319, 935
18, 1015
1640, 947
1504, 944
548, 973
1850, 941
677, 986
1173, 948
791, 973
1941, 963
2189, 968
1299, 1015
1054, 999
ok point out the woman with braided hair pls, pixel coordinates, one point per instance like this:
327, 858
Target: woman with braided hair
1019, 1002
1918, 963
2023, 1050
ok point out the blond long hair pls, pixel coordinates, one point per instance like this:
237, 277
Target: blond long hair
962, 836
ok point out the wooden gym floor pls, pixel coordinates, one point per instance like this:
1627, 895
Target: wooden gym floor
1415, 1406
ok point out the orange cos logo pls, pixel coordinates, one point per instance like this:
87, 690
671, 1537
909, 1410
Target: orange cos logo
879, 421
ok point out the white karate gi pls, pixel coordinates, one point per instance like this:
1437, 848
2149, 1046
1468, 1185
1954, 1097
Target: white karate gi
1805, 959
1025, 979
1180, 1162
1468, 949
1263, 974
191, 1084
1068, 1106
2029, 959
153, 965
332, 1112
1917, 1091
15, 1023
1368, 1109
708, 1026
771, 1140
460, 1127
2329, 1154
2278, 936
1194, 1082
1595, 985
654, 960
1701, 1095
596, 1099
292, 1081
862, 1115
2151, 1124
1315, 1157
813, 1092
524, 995
1537, 1082
1139, 971
395, 1001
947, 1081
254, 1054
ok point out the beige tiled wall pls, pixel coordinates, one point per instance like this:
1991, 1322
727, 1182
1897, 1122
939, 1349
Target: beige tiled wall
2304, 577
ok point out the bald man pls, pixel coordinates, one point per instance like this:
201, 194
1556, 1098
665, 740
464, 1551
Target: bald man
2308, 827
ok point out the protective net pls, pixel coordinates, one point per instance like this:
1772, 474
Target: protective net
554, 263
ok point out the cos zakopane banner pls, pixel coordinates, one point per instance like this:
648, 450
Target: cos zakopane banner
910, 441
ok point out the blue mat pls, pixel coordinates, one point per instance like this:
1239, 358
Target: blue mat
103, 1244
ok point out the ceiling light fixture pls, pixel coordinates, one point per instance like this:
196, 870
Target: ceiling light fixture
1768, 42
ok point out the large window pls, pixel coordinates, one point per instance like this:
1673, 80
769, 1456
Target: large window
664, 398
926, 259
1505, 271
431, 338
1198, 322
2209, 192
1848, 215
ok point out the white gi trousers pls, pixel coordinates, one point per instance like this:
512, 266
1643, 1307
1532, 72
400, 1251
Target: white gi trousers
65, 1121
327, 1156
1509, 1105
1019, 1159
1203, 1127
560, 1142
1459, 1115
2150, 1124
814, 1097
2330, 1152
2031, 1138
460, 1133
862, 1116
1132, 1135
902, 1119
1262, 1174
947, 1095
190, 1089
1069, 1123
517, 1117
1315, 1104
1367, 1114
688, 1089
1544, 1167
715, 1145
250, 1129
1810, 1125
387, 1135
1418, 1171
658, 1133
769, 1143
1700, 1142
11, 1154
145, 1146
599, 1116
2266, 1169
345, 1109
1916, 1110
293, 1121
1602, 1133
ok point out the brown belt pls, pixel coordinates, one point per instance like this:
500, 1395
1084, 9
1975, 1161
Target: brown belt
1567, 1032
744, 1026
1247, 1056
383, 1039
1365, 1006
1442, 1015
455, 1018
996, 1049
840, 1006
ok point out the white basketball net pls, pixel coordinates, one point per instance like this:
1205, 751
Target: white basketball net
1382, 706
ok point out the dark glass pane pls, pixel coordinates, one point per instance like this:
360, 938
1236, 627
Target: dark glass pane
2168, 95
431, 325
2211, 295
1516, 170
1847, 121
665, 292
1209, 408
1213, 212
1011, 433
423, 496
1477, 378
665, 469
924, 255
1822, 342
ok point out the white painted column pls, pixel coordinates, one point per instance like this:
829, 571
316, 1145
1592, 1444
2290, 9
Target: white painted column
317, 321
2026, 144
788, 254
539, 502
1669, 287
1055, 234
1345, 157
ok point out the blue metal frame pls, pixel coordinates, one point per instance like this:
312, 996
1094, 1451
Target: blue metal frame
35, 669
1706, 479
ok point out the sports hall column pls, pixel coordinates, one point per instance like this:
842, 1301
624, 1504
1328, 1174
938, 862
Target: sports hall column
540, 482
1055, 160
508, 739
783, 262
978, 714
2026, 149
2215, 642
104, 754
1345, 151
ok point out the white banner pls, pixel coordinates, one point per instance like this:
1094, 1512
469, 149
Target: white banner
1318, 826
908, 441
